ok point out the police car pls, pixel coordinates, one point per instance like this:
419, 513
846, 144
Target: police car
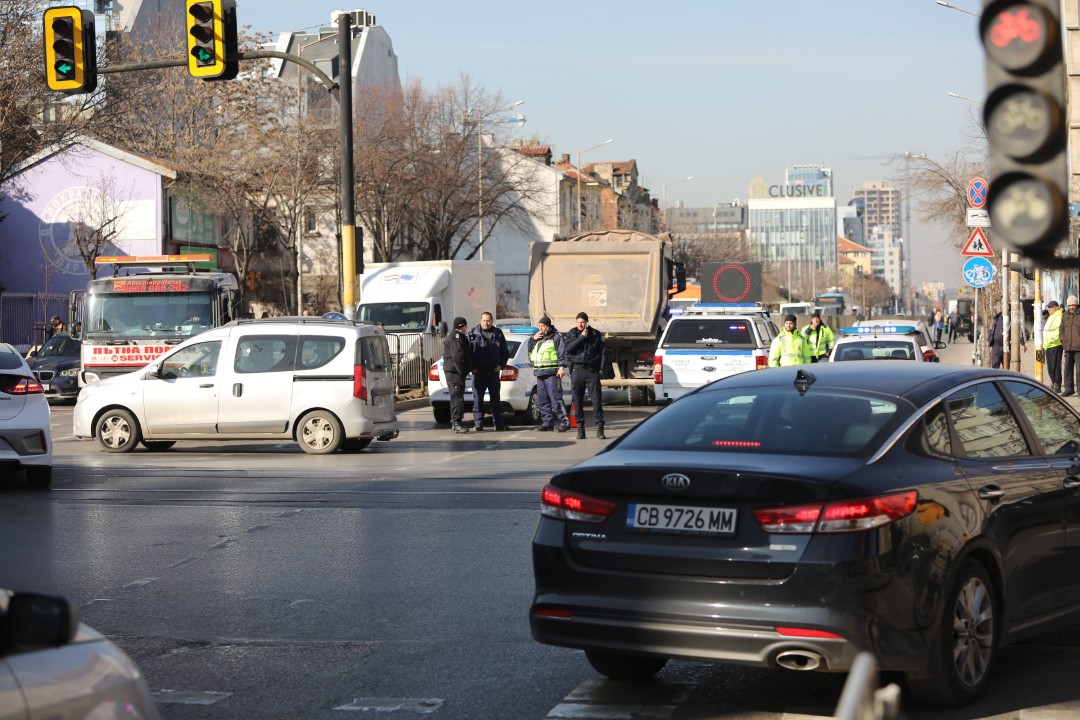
707, 342
920, 328
517, 387
880, 342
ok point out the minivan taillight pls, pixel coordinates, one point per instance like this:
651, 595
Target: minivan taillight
14, 385
761, 362
359, 382
658, 370
848, 515
433, 372
565, 505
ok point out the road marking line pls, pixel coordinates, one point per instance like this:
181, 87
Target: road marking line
189, 697
140, 582
414, 705
579, 711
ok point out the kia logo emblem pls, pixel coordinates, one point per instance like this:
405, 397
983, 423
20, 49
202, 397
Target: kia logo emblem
675, 481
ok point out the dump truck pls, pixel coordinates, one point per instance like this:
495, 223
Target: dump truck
622, 279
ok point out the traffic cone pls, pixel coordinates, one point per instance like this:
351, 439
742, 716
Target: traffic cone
573, 416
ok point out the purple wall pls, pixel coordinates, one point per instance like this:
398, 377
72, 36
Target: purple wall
42, 203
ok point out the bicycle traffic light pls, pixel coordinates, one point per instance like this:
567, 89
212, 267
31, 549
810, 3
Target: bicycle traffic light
211, 39
70, 50
1025, 120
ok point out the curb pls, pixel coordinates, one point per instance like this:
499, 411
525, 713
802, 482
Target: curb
403, 405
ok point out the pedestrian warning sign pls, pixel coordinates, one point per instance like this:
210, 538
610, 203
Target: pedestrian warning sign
977, 245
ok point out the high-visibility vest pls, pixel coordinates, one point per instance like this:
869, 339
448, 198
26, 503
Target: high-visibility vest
544, 355
820, 342
789, 348
1052, 331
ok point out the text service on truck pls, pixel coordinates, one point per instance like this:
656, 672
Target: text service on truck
127, 321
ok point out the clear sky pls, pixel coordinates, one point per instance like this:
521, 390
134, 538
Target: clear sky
723, 90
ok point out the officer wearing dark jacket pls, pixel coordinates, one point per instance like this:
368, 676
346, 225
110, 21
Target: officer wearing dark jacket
587, 354
457, 363
489, 353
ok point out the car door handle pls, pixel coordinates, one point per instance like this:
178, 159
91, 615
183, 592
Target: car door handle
1072, 482
991, 492
237, 389
207, 385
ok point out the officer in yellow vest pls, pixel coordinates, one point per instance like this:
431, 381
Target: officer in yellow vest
790, 346
819, 337
1052, 347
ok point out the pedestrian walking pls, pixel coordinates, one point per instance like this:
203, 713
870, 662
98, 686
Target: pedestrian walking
489, 354
547, 353
457, 364
997, 341
819, 337
1051, 346
1070, 346
954, 325
587, 353
939, 325
789, 347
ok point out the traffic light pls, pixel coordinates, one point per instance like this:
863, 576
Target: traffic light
1026, 124
211, 39
70, 50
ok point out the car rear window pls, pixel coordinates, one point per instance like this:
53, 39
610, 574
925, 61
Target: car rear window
876, 350
9, 360
709, 332
374, 353
770, 420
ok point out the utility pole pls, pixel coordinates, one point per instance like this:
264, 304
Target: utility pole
352, 254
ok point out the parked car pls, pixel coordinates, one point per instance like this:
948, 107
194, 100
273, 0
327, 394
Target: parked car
56, 365
325, 383
517, 386
703, 343
930, 346
52, 666
796, 516
890, 342
25, 420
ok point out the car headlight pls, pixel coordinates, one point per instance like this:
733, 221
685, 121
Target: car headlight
70, 372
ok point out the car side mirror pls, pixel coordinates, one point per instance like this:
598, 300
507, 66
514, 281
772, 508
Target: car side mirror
154, 371
37, 620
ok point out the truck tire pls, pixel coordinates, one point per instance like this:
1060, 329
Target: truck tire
638, 395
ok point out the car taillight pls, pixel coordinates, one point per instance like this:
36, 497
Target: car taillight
508, 374
761, 362
837, 516
20, 386
658, 370
565, 505
359, 382
433, 372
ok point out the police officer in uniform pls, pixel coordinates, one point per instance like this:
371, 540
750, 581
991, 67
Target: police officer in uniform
457, 364
547, 353
587, 353
819, 337
789, 347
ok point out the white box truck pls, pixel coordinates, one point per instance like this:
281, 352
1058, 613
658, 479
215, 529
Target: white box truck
417, 301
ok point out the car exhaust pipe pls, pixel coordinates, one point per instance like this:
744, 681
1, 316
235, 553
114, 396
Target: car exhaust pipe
800, 660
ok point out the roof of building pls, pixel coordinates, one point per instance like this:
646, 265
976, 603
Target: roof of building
845, 246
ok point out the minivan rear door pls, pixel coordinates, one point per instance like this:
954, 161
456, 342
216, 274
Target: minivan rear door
373, 356
258, 396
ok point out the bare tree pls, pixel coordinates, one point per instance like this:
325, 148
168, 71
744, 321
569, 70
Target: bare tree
98, 219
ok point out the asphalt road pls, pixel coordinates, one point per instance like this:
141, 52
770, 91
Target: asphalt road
254, 581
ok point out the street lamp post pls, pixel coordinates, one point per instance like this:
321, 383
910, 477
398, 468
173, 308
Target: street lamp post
663, 197
480, 168
579, 212
942, 3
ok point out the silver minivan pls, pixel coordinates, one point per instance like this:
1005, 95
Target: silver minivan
327, 384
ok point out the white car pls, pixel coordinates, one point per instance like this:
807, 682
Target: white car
323, 383
925, 333
517, 392
25, 420
53, 666
880, 342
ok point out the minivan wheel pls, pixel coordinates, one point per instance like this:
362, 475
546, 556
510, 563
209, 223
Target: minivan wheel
38, 476
353, 445
319, 433
964, 650
117, 431
625, 667
158, 445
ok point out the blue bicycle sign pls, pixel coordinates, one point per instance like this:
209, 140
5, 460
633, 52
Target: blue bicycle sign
978, 272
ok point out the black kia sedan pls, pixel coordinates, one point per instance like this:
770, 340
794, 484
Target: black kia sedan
793, 517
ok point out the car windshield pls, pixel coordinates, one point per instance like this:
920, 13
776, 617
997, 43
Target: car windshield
772, 420
60, 346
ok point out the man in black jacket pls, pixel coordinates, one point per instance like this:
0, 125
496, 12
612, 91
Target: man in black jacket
457, 363
587, 354
489, 354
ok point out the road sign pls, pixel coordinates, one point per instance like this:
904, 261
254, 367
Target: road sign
978, 272
978, 217
977, 245
334, 316
976, 192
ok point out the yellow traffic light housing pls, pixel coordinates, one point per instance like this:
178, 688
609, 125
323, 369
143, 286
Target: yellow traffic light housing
211, 39
70, 50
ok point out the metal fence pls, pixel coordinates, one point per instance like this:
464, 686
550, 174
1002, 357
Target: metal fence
412, 355
24, 317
